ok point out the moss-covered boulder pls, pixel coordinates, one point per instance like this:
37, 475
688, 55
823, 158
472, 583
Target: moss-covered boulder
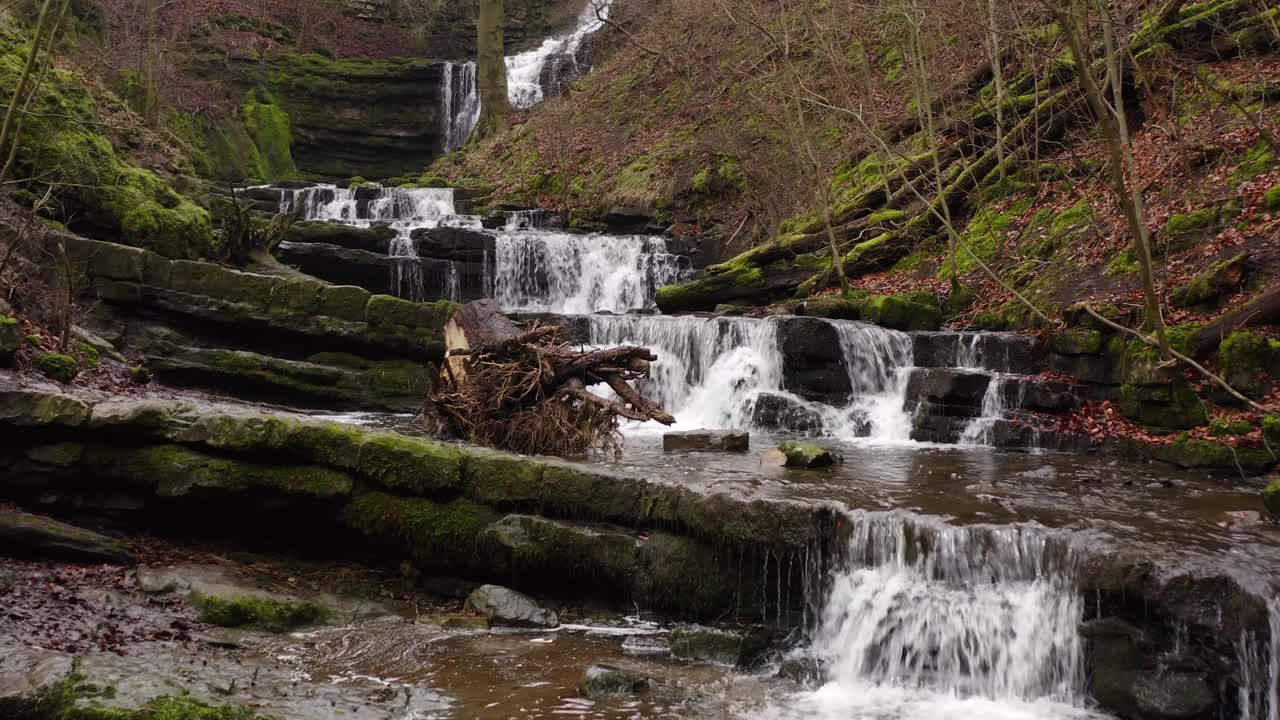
57, 366
1172, 406
410, 465
832, 307
1076, 341
259, 613
1271, 498
35, 408
1213, 284
1249, 362
552, 555
900, 313
10, 339
440, 536
798, 454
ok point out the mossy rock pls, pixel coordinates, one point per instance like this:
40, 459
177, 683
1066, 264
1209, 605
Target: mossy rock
898, 313
1207, 454
1271, 430
56, 366
76, 699
833, 307
1076, 341
176, 471
682, 575
552, 555
410, 465
1183, 230
254, 613
1170, 407
1249, 362
805, 454
1211, 285
1271, 498
10, 339
1271, 200
434, 535
25, 408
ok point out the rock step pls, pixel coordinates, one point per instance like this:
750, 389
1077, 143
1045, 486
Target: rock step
958, 392
1000, 352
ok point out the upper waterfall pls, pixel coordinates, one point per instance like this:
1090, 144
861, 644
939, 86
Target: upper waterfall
461, 91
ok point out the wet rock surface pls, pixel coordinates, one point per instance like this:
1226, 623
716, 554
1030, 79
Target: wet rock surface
507, 608
725, 440
23, 535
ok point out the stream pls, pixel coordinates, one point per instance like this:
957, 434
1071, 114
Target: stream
957, 596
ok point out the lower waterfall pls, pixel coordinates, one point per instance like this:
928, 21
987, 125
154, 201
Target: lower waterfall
927, 621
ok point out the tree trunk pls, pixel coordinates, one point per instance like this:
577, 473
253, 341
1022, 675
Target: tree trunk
1130, 201
10, 116
492, 68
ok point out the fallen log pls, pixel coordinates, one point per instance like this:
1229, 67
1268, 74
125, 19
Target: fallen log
530, 390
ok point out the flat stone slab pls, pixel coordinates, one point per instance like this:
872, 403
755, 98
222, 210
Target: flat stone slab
725, 440
31, 536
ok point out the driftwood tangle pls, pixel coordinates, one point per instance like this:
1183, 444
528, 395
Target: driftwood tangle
528, 390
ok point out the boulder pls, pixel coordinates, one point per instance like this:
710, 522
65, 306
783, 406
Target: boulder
722, 647
813, 362
376, 239
1271, 499
796, 454
945, 391
29, 536
450, 243
622, 220
832, 307
10, 339
508, 608
899, 313
56, 366
606, 680
779, 412
727, 440
1128, 675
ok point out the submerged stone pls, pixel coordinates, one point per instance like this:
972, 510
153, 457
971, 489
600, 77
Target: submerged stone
508, 608
727, 440
605, 680
722, 647
802, 455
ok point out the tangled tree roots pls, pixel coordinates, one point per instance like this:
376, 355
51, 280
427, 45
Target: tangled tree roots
528, 391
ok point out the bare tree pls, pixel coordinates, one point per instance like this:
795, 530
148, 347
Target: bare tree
492, 69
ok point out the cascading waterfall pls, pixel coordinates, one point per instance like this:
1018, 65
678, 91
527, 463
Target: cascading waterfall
709, 370
401, 209
928, 620
460, 88
879, 362
978, 431
1260, 669
524, 71
461, 104
542, 271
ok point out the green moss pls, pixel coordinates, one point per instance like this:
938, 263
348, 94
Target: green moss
1172, 406
1076, 341
1249, 361
1271, 200
1224, 427
805, 454
76, 699
1255, 162
434, 535
1271, 499
834, 307
1197, 222
55, 366
1197, 453
267, 614
1211, 284
900, 313
404, 464
176, 471
269, 127
982, 236
1122, 263
885, 216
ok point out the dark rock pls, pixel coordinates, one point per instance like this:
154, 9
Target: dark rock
606, 680
727, 440
1271, 499
508, 608
779, 412
900, 313
1126, 676
1029, 393
723, 647
999, 352
449, 243
831, 307
926, 427
537, 551
796, 454
341, 265
942, 391
30, 536
813, 362
622, 220
10, 339
376, 239
730, 311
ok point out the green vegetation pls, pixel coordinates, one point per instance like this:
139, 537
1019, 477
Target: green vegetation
1224, 427
1271, 498
76, 699
433, 535
1249, 361
253, 613
268, 126
1271, 200
55, 366
1257, 161
1212, 284
983, 236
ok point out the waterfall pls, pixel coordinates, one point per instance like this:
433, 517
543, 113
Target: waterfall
541, 271
1260, 668
461, 95
709, 370
400, 208
928, 620
524, 71
978, 431
879, 363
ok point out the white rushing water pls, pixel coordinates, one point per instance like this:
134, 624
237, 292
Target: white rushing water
1259, 661
928, 621
401, 209
711, 371
461, 90
545, 271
